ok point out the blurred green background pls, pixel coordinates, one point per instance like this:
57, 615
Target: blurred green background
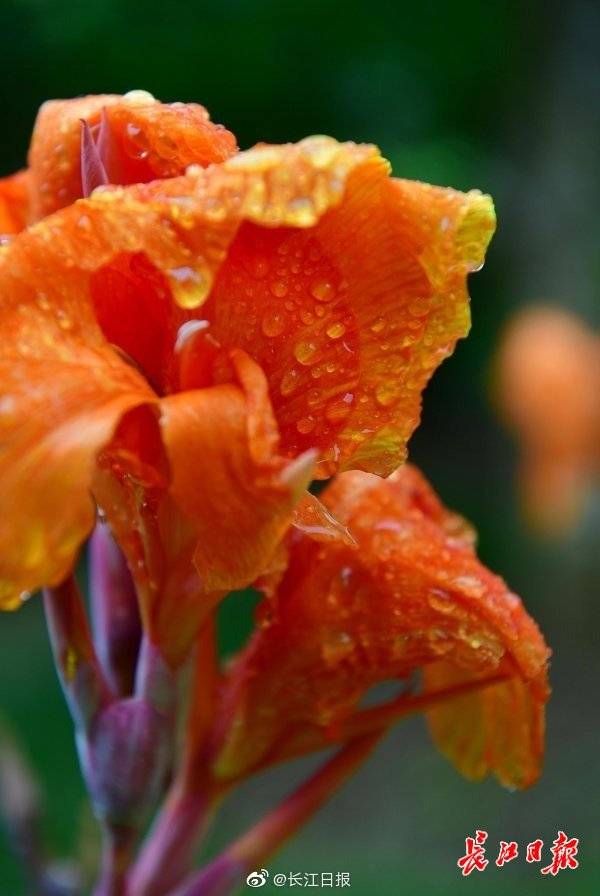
504, 96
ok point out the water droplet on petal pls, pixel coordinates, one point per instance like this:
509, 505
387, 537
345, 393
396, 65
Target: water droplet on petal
138, 98
305, 352
306, 425
387, 393
279, 289
441, 601
190, 287
273, 324
289, 381
136, 144
323, 291
336, 330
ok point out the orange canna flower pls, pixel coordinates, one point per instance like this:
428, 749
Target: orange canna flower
548, 388
412, 595
185, 349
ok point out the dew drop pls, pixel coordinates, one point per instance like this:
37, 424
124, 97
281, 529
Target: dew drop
138, 98
273, 324
305, 352
440, 600
323, 291
259, 267
289, 382
336, 330
306, 425
190, 287
136, 144
279, 289
471, 585
337, 647
378, 325
386, 394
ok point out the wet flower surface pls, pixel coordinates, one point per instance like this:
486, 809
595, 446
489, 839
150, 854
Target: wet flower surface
410, 595
194, 334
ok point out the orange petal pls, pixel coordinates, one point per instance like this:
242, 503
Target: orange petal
61, 401
228, 479
498, 729
350, 315
342, 620
14, 202
143, 140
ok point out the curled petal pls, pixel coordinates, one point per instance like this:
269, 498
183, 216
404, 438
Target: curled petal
227, 477
350, 315
56, 412
138, 139
412, 594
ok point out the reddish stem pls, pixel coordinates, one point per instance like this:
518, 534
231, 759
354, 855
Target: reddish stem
375, 718
258, 844
170, 846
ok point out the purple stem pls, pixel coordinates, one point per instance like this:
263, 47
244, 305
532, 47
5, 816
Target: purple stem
115, 615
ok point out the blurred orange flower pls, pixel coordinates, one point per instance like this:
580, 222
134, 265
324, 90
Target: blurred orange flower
548, 389
411, 596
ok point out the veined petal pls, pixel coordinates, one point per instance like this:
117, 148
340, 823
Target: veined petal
412, 596
349, 313
498, 729
139, 139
